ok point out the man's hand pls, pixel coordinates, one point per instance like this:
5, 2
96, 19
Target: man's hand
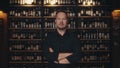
64, 61
63, 55
51, 50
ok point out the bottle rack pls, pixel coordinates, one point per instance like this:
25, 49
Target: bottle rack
94, 27
29, 24
60, 2
24, 2
94, 23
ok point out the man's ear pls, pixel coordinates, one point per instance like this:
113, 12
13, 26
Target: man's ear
68, 22
55, 21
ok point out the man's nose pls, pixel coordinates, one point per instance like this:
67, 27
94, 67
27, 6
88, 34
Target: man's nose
61, 21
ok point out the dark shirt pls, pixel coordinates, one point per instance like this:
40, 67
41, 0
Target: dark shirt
62, 44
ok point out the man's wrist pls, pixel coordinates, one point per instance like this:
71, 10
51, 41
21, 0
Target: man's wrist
64, 61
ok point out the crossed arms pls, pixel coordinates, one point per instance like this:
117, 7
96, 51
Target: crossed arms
62, 57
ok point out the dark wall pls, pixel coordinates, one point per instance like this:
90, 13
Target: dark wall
4, 5
116, 4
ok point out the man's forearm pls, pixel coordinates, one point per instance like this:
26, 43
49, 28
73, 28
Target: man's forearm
63, 55
63, 61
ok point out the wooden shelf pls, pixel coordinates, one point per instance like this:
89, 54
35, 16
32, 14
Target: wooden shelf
25, 5
25, 39
25, 28
59, 5
27, 62
45, 62
95, 39
49, 28
34, 17
25, 17
95, 62
55, 28
95, 51
94, 5
95, 17
93, 28
54, 17
90, 62
25, 50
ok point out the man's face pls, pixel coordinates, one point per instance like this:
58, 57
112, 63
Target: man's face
61, 20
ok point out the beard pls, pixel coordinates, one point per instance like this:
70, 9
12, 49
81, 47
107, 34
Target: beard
62, 28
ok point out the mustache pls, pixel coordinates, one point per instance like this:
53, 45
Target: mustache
61, 23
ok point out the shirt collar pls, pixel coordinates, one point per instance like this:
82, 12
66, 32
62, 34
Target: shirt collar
65, 34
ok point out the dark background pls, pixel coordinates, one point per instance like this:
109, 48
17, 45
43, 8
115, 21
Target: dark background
5, 3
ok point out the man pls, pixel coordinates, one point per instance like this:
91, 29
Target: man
61, 47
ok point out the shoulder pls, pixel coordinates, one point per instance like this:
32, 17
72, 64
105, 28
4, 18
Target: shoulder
73, 34
50, 34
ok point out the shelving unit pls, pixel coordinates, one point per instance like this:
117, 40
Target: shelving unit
29, 24
25, 34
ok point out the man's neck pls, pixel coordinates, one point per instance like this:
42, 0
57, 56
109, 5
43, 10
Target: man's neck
61, 31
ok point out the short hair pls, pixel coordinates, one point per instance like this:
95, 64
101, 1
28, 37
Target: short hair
63, 12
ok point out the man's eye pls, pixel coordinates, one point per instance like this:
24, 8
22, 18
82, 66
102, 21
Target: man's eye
58, 19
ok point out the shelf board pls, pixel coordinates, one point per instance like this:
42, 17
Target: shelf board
49, 28
48, 17
59, 5
95, 39
95, 62
45, 62
25, 17
54, 17
72, 28
25, 5
27, 62
25, 39
93, 28
25, 28
25, 51
55, 28
89, 62
95, 17
94, 5
95, 51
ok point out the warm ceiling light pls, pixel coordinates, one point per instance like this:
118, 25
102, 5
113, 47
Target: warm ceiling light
52, 2
1, 12
89, 2
28, 1
116, 11
116, 14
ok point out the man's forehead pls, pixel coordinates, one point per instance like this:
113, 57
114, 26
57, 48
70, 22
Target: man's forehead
61, 15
